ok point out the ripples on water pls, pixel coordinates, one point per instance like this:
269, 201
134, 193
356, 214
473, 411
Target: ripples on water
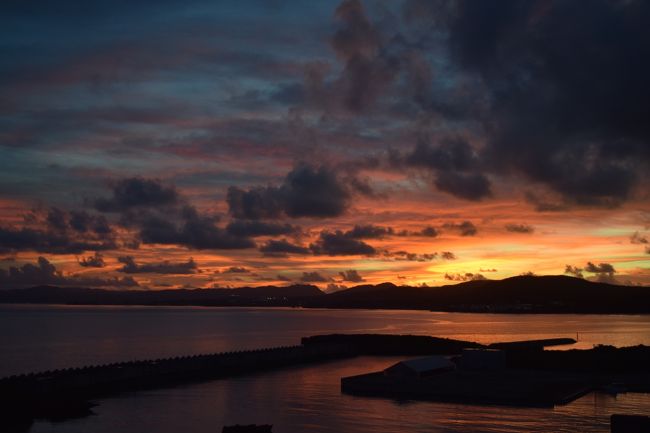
296, 400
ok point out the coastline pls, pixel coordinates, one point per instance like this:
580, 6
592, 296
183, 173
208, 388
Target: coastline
253, 306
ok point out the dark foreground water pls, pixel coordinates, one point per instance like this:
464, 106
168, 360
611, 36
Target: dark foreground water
296, 400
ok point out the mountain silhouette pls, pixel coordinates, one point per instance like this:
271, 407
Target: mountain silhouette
522, 294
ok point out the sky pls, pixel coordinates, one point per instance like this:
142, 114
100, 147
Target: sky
163, 144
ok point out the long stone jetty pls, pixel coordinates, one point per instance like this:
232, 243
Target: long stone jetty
67, 393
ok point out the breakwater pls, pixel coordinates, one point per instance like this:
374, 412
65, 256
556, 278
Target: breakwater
66, 393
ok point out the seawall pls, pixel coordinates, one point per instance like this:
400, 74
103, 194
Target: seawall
67, 393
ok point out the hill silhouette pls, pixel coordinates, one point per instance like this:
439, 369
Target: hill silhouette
253, 296
515, 294
523, 294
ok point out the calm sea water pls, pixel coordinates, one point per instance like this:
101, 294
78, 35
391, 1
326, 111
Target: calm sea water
305, 399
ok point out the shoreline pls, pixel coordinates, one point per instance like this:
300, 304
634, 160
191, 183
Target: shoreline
514, 312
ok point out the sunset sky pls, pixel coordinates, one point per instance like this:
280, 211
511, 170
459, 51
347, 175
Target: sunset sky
162, 144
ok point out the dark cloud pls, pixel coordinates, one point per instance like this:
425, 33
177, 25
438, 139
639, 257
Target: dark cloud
542, 205
312, 192
455, 166
351, 276
519, 228
137, 192
244, 228
430, 11
468, 276
468, 186
282, 247
54, 242
369, 231
429, 232
349, 242
449, 155
604, 272
255, 203
236, 270
411, 257
45, 273
131, 267
466, 228
488, 270
96, 261
574, 270
568, 100
82, 222
338, 243
56, 219
159, 216
448, 255
637, 238
283, 278
131, 244
194, 231
307, 191
333, 287
313, 277
602, 268
369, 67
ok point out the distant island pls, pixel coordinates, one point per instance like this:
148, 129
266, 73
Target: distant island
522, 294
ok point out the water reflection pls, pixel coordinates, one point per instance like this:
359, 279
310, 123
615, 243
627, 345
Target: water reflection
45, 337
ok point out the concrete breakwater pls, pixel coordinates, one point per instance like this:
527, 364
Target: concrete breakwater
66, 393
205, 366
182, 367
